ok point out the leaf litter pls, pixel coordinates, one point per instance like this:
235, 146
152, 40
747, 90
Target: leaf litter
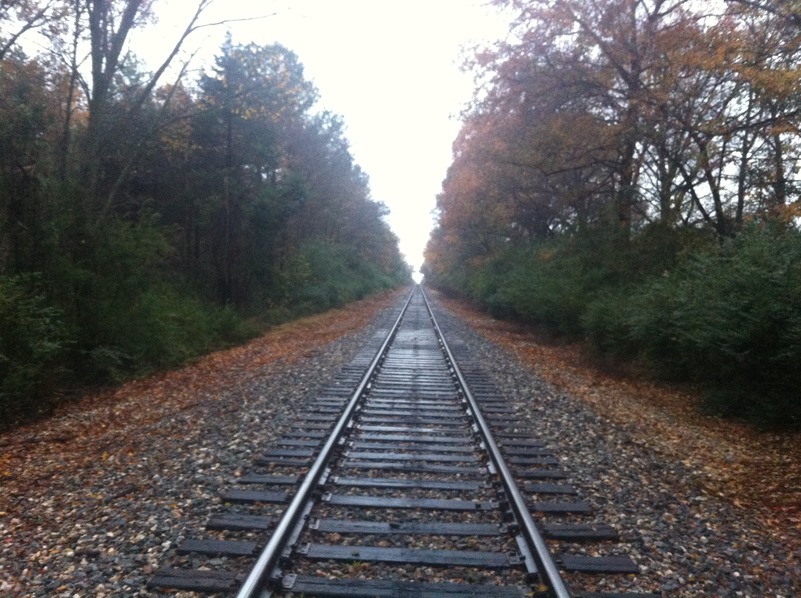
757, 472
96, 443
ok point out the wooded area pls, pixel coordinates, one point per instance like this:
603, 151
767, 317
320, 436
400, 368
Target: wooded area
144, 222
628, 174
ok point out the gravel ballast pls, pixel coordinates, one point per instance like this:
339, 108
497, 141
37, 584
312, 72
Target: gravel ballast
92, 506
686, 542
95, 499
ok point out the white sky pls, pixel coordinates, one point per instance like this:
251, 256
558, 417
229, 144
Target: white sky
390, 68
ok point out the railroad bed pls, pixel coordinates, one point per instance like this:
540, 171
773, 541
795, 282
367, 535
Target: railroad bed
410, 476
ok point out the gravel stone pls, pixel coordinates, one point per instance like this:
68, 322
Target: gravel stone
685, 542
99, 519
119, 510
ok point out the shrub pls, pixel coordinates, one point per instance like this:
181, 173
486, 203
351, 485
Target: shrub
326, 275
32, 341
729, 319
160, 328
548, 284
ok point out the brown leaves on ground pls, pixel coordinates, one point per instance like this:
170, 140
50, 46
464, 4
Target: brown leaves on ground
756, 471
112, 422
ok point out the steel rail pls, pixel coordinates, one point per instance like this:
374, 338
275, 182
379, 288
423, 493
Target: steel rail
268, 558
546, 566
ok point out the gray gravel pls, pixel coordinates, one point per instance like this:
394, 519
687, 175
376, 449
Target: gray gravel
103, 530
686, 543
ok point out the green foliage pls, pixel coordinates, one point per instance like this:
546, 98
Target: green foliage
32, 339
616, 203
133, 320
551, 283
163, 328
728, 319
168, 224
327, 275
536, 285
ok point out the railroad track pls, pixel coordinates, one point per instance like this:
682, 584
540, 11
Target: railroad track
408, 476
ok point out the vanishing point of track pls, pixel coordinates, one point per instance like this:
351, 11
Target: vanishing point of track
410, 476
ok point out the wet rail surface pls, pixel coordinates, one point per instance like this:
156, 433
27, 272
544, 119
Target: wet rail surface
408, 476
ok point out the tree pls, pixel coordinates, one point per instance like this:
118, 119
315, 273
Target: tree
109, 25
254, 102
25, 16
27, 119
638, 163
147, 219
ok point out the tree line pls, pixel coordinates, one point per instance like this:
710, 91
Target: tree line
627, 174
144, 222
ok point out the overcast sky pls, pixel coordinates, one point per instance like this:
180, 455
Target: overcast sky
390, 68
